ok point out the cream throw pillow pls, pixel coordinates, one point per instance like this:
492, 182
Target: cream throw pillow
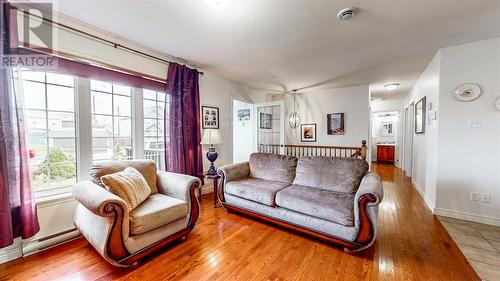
129, 185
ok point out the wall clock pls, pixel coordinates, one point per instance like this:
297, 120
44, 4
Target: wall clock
496, 103
467, 92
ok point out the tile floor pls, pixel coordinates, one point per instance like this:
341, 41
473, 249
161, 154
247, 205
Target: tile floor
479, 243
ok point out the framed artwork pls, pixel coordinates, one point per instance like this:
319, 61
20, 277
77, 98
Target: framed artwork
335, 124
266, 120
308, 132
243, 114
210, 117
420, 116
386, 129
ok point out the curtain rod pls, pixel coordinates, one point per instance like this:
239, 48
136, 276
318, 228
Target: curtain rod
114, 44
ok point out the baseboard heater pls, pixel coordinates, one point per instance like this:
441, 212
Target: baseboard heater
50, 241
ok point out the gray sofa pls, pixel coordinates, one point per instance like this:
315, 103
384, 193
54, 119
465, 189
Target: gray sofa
333, 199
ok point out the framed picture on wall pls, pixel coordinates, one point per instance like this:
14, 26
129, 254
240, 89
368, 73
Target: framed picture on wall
420, 116
243, 114
308, 132
266, 121
210, 117
386, 129
335, 124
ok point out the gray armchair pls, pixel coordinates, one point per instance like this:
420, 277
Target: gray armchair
123, 237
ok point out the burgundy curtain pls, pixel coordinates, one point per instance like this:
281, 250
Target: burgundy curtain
18, 217
182, 126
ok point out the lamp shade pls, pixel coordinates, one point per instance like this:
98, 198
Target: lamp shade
211, 136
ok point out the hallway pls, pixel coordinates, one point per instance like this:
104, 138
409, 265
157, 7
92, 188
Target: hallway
412, 245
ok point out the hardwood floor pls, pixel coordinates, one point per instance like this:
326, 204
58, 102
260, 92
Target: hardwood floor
411, 245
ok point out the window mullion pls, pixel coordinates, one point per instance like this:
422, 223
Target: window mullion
138, 123
84, 128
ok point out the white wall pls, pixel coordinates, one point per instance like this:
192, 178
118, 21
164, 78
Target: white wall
314, 105
425, 145
469, 159
452, 160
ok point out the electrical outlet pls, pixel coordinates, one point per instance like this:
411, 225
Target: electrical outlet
474, 196
486, 197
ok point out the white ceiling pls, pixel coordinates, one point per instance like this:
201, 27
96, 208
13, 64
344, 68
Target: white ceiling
288, 44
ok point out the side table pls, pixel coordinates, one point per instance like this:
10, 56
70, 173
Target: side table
215, 181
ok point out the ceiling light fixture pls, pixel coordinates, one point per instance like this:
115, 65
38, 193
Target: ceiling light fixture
294, 117
218, 3
391, 86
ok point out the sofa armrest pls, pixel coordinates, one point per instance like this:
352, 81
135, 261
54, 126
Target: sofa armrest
103, 218
97, 199
234, 172
176, 185
366, 201
371, 184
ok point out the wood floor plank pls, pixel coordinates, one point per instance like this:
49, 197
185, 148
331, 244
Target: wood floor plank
411, 245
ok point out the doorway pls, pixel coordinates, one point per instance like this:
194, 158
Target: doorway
243, 130
385, 140
408, 140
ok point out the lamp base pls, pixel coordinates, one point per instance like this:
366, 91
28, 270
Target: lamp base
212, 156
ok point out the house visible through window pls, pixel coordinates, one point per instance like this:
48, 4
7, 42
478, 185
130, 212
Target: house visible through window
111, 121
49, 101
154, 124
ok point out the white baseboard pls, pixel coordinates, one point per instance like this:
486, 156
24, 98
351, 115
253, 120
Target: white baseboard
35, 246
422, 194
467, 216
11, 252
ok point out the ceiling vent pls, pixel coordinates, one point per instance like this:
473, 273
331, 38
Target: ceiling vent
347, 13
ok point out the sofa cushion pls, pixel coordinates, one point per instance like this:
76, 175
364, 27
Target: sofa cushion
156, 211
146, 167
333, 174
258, 190
129, 185
336, 207
273, 167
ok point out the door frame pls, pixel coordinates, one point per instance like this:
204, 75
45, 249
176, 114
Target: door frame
408, 139
281, 104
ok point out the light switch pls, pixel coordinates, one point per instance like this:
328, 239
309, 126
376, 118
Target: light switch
474, 123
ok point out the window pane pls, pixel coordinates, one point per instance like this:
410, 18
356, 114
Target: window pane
102, 148
149, 109
62, 125
122, 90
36, 120
60, 79
102, 126
39, 178
33, 75
161, 128
123, 127
122, 105
34, 95
161, 97
62, 174
101, 86
101, 103
161, 112
60, 98
150, 128
122, 149
62, 150
37, 148
148, 94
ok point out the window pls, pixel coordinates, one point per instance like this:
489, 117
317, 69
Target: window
51, 129
154, 124
111, 113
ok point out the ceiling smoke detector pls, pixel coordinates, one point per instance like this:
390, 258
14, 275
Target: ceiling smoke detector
347, 13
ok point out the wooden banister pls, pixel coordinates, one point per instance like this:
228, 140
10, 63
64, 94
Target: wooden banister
299, 150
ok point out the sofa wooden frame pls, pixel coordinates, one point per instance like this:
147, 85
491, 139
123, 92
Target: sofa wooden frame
363, 238
116, 248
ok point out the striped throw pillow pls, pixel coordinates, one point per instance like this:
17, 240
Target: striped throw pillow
129, 185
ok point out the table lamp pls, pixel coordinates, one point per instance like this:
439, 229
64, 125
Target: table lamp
211, 137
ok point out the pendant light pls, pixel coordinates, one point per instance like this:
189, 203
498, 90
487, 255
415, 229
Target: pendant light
294, 117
